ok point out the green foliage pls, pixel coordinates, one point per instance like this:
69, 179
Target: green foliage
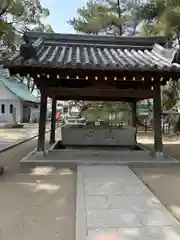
111, 112
161, 17
94, 18
17, 16
106, 16
170, 95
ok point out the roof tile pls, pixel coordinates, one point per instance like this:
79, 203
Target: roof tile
95, 52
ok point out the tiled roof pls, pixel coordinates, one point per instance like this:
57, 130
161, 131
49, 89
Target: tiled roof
18, 89
92, 52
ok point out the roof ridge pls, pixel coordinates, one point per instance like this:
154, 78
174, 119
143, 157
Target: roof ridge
13, 91
28, 36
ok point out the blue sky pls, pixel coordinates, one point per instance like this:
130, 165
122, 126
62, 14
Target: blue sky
60, 12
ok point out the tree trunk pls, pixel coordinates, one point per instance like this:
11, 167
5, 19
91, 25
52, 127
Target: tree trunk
28, 83
169, 43
119, 14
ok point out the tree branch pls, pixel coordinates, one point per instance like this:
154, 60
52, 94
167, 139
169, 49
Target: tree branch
119, 14
4, 10
33, 86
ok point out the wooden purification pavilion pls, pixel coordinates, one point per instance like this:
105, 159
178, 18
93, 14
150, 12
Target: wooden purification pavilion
94, 68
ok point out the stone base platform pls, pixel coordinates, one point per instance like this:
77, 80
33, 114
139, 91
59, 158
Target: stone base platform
97, 157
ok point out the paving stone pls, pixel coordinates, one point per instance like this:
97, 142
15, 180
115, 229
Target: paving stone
121, 178
153, 233
97, 202
104, 171
135, 189
117, 202
156, 218
132, 233
112, 218
106, 188
103, 233
134, 202
163, 233
118, 234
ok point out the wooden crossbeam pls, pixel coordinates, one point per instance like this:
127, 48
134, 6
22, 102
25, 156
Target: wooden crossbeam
108, 93
99, 98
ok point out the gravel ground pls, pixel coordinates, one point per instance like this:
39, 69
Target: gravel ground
164, 182
171, 143
12, 157
39, 204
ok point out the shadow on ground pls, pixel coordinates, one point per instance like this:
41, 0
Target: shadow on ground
170, 149
38, 204
171, 143
164, 183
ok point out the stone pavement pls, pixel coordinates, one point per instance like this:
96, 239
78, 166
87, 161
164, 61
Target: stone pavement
10, 137
113, 204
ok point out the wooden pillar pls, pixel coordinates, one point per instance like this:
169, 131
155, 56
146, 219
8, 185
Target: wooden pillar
158, 147
134, 113
134, 117
53, 121
42, 122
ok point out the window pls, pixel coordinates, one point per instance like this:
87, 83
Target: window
2, 108
11, 108
65, 110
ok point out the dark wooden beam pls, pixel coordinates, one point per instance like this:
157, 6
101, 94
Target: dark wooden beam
53, 121
52, 71
134, 113
72, 78
88, 83
42, 122
88, 92
158, 146
97, 98
134, 117
121, 83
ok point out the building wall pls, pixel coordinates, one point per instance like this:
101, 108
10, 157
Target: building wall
35, 114
6, 99
7, 116
5, 94
66, 110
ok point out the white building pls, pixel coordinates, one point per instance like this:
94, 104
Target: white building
69, 109
16, 102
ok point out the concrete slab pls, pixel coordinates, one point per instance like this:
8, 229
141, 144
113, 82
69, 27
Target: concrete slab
112, 203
